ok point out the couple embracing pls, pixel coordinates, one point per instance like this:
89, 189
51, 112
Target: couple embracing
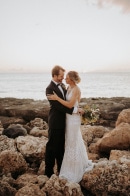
65, 144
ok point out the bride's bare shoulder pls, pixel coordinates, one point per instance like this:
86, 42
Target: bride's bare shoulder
76, 90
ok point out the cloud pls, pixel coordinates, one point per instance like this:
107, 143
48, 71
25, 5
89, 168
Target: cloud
124, 4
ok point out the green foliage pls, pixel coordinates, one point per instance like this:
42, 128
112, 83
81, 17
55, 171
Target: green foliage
91, 114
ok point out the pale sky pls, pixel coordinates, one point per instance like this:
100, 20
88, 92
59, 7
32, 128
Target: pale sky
81, 35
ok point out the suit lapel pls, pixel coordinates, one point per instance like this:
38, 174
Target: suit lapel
57, 90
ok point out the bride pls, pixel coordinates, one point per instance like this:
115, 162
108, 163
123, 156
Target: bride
75, 162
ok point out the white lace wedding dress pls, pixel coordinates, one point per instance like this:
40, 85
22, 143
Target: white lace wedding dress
75, 162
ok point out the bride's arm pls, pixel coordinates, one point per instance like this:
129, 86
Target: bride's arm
69, 103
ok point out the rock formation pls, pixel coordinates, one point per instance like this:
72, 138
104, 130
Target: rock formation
22, 150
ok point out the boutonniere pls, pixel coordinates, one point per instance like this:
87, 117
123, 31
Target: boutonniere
63, 86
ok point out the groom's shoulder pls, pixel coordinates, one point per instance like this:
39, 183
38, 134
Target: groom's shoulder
50, 85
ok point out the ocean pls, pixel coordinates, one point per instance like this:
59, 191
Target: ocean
33, 85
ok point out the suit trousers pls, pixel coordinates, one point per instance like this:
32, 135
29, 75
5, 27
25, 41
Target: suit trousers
54, 150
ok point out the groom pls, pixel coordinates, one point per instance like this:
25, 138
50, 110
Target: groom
56, 123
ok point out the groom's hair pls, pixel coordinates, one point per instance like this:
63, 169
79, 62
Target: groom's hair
56, 69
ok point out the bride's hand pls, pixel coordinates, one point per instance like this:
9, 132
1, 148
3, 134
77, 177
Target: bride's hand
80, 111
52, 96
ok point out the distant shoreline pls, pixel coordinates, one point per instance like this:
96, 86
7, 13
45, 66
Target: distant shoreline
49, 72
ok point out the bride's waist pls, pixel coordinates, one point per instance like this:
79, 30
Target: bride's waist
73, 114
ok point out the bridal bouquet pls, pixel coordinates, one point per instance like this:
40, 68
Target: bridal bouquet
91, 114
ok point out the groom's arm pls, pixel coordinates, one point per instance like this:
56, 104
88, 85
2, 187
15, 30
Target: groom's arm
58, 106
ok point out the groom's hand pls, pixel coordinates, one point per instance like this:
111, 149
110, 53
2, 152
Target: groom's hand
52, 96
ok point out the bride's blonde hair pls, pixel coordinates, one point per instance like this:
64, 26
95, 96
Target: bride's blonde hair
74, 76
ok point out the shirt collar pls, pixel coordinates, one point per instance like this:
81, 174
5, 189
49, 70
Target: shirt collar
55, 82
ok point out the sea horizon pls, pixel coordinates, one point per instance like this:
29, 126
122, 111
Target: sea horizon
93, 84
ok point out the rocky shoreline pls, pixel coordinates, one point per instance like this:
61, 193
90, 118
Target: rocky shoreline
21, 111
23, 137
